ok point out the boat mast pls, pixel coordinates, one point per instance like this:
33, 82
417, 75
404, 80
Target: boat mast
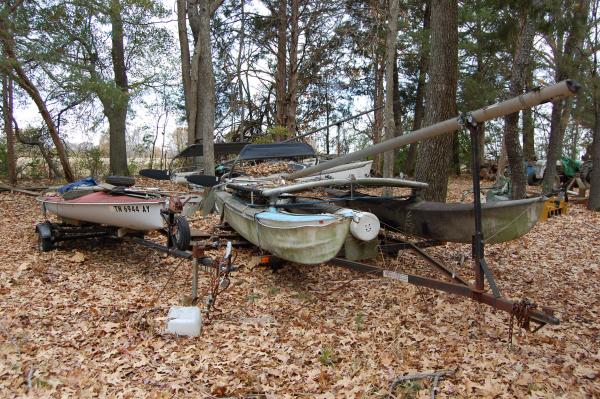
538, 96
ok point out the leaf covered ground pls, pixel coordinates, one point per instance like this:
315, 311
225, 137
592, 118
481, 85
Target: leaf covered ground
87, 321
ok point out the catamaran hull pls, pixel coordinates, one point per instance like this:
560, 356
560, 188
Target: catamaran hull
454, 222
110, 210
314, 240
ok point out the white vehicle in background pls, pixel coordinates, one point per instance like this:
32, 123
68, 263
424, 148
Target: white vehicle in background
535, 172
565, 170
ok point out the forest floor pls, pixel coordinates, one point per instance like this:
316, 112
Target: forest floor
86, 321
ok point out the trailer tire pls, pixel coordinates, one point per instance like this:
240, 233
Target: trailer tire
120, 181
45, 242
182, 233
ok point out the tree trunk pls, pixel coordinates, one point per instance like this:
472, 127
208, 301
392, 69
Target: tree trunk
528, 127
554, 152
397, 111
481, 143
186, 72
528, 135
7, 108
397, 105
240, 83
567, 61
411, 157
433, 160
514, 152
594, 198
390, 61
293, 76
205, 119
502, 162
117, 121
200, 92
378, 100
280, 73
115, 103
455, 154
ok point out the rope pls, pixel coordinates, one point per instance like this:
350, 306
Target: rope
507, 226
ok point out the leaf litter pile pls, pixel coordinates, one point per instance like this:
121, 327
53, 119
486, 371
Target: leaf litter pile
87, 320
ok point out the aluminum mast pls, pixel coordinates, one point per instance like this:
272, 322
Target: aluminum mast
562, 89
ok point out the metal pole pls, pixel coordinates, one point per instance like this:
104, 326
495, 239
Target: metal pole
477, 246
563, 89
479, 264
457, 289
197, 253
195, 279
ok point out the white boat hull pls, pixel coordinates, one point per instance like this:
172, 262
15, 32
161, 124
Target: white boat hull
356, 170
110, 210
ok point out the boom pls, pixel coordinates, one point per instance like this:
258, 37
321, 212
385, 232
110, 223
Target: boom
562, 89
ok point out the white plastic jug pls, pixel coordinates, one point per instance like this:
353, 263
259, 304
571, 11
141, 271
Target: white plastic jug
184, 320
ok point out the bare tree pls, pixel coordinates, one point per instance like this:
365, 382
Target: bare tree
566, 59
198, 74
524, 43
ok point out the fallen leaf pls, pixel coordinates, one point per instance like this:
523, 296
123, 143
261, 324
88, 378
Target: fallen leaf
78, 257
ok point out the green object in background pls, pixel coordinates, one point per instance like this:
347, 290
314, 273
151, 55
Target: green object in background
570, 166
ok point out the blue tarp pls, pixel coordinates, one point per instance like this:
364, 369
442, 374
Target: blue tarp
88, 181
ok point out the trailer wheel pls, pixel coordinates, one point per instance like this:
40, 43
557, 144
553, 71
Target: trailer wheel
44, 231
182, 233
45, 244
120, 181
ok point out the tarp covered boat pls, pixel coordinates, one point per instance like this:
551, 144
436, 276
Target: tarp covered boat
297, 151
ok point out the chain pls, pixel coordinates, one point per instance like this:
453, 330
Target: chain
219, 281
520, 313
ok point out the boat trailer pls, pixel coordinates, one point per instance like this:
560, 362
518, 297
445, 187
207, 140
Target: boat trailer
523, 312
191, 247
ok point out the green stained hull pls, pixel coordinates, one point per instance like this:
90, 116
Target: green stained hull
306, 243
453, 222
